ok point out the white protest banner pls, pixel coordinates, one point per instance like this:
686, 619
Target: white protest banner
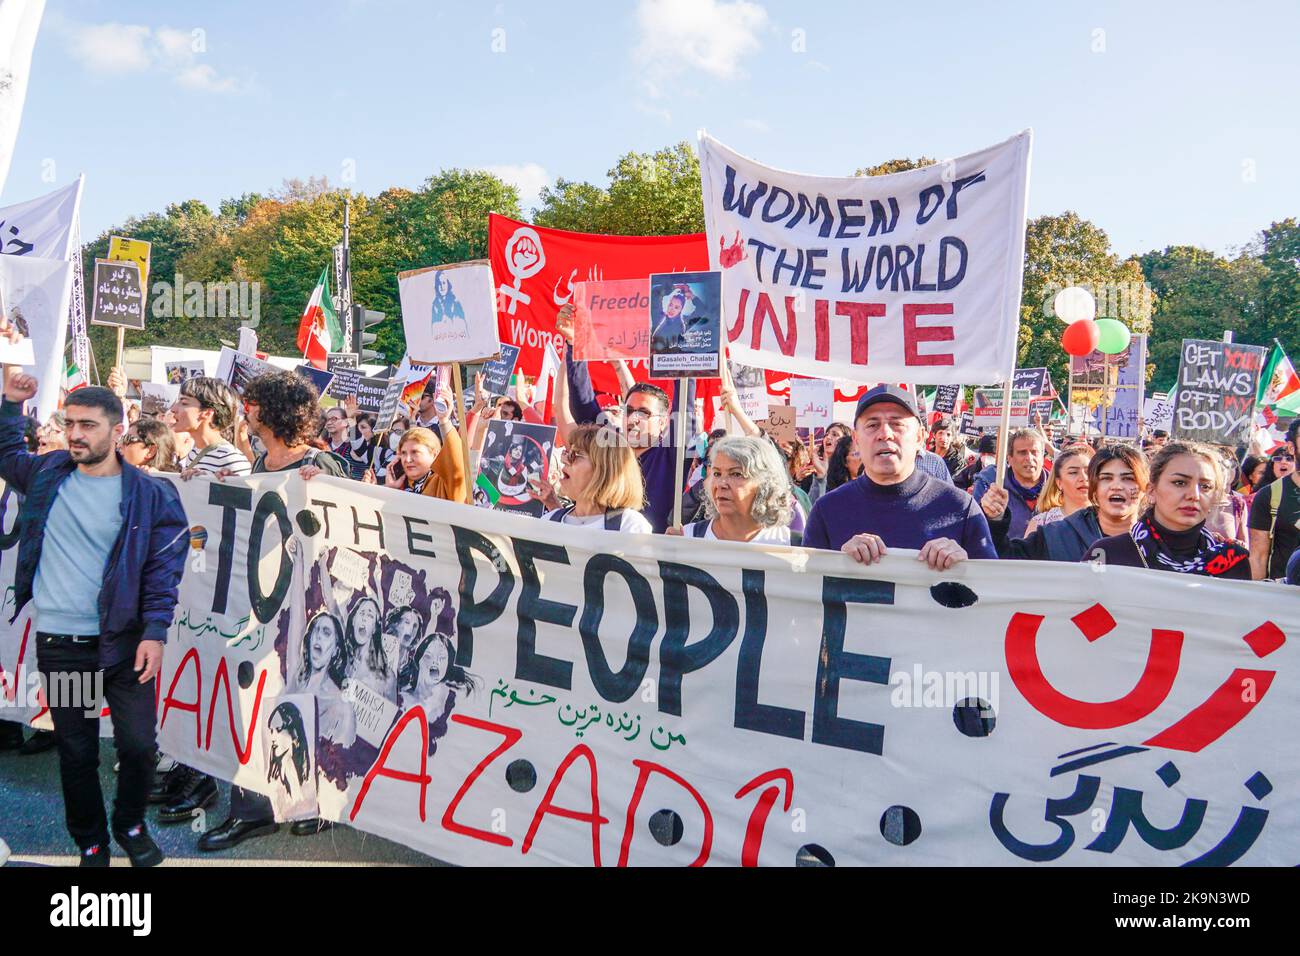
566, 686
19, 21
914, 276
813, 400
41, 228
36, 294
1158, 412
449, 313
987, 408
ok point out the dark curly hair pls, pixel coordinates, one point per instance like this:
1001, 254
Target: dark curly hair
288, 405
837, 469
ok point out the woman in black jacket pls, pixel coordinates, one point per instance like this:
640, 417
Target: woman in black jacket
1187, 481
1117, 480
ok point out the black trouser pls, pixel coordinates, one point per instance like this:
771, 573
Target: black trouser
250, 805
76, 728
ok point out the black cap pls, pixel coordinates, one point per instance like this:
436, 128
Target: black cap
887, 393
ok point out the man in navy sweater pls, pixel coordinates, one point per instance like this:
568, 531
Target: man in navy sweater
893, 503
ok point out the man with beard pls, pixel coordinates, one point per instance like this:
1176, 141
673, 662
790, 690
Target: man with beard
100, 556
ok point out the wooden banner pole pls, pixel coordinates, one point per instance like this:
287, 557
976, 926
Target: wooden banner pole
1004, 432
464, 433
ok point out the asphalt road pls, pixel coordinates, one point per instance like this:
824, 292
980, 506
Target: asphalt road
31, 822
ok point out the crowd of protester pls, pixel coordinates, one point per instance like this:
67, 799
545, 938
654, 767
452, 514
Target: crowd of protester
891, 478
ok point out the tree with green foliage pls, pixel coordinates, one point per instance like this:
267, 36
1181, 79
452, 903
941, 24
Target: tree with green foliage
895, 166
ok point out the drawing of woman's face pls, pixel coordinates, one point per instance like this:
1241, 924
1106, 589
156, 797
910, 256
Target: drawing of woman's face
324, 643
364, 622
406, 625
433, 669
444, 285
436, 607
281, 740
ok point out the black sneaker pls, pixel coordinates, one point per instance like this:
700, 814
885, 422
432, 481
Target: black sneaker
139, 846
95, 856
38, 743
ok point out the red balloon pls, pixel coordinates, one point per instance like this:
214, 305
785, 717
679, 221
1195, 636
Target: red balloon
1080, 338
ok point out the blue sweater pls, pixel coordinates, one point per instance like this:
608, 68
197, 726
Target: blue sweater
906, 515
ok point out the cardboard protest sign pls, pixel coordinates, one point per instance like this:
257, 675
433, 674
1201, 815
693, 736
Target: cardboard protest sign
528, 641
686, 325
1109, 389
370, 393
813, 400
514, 465
1214, 397
535, 269
179, 372
131, 250
318, 377
968, 427
156, 398
337, 360
609, 320
1158, 412
987, 409
914, 276
497, 373
118, 295
237, 369
779, 424
388, 405
343, 365
449, 312
947, 398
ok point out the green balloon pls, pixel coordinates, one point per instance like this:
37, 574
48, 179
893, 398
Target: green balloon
1112, 336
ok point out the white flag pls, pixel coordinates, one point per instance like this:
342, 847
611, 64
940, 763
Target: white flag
36, 294
19, 20
41, 228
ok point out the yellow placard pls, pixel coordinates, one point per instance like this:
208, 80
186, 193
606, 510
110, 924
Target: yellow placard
132, 250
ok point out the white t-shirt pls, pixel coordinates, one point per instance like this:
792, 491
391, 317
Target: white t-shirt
217, 456
629, 521
777, 535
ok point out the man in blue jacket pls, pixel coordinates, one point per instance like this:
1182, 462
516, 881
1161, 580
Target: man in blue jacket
1024, 480
101, 551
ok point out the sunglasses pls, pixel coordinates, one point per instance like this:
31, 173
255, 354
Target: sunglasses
133, 440
1284, 457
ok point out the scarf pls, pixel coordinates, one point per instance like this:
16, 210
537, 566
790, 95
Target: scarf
1028, 495
1196, 551
418, 486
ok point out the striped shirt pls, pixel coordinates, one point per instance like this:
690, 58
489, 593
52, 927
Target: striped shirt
217, 456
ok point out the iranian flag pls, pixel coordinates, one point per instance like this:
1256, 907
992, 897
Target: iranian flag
319, 332
1279, 386
72, 378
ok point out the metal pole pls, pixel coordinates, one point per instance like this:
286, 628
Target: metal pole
345, 289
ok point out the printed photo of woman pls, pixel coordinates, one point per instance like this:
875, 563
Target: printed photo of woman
324, 667
367, 659
432, 679
288, 761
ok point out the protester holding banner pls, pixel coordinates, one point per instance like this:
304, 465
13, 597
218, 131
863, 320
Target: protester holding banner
97, 619
1117, 480
601, 478
427, 466
1187, 481
895, 504
747, 494
284, 414
1066, 489
1024, 479
206, 410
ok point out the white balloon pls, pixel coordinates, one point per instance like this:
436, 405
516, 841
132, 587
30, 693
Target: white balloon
1074, 304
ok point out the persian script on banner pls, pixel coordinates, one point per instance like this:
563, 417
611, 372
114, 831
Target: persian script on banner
914, 276
493, 690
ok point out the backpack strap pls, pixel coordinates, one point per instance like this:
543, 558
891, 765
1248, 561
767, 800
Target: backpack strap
699, 528
1275, 491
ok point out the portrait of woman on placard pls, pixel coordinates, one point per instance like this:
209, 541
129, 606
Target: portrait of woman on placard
402, 629
432, 679
324, 667
289, 770
367, 659
447, 310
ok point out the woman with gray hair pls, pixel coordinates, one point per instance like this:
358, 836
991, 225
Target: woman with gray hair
747, 494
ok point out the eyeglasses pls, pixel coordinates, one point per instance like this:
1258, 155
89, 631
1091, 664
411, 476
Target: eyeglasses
572, 457
1284, 457
631, 412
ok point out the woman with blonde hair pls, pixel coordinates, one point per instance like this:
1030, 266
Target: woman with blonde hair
602, 479
1187, 482
1066, 488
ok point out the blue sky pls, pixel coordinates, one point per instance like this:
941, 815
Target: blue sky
1162, 123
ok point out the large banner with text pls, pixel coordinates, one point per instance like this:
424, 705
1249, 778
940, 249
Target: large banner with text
492, 689
911, 277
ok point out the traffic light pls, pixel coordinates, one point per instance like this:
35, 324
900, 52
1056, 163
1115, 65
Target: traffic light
362, 319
